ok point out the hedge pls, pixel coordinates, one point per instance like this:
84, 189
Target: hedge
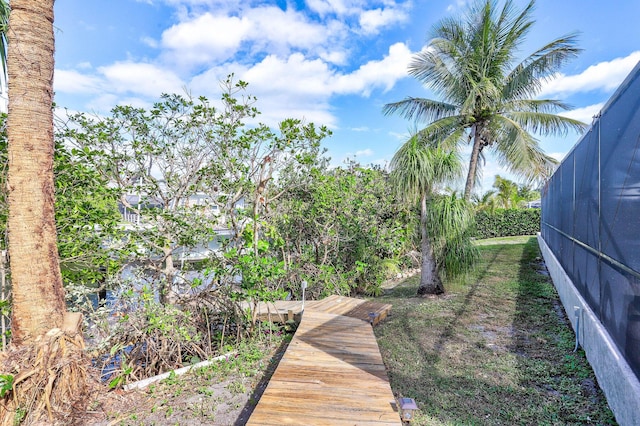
507, 222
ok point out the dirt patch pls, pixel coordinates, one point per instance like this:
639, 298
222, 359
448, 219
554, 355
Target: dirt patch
224, 393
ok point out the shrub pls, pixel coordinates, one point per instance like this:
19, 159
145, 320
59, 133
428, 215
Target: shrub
507, 222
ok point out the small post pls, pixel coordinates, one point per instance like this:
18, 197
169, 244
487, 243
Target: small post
303, 285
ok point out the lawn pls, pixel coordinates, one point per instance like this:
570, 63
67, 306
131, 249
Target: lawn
496, 349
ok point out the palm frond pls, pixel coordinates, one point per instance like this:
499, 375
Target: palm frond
417, 168
520, 152
525, 80
546, 124
450, 222
536, 105
420, 109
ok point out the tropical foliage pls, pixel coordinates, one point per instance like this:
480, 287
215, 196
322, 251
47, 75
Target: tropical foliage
344, 230
507, 222
506, 194
418, 172
260, 208
487, 98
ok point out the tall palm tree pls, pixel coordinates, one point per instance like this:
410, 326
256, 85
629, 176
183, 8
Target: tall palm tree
416, 170
486, 100
38, 296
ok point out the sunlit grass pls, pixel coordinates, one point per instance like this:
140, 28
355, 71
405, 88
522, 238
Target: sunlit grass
493, 350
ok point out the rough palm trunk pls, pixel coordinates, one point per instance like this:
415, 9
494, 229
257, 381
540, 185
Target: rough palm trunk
38, 295
430, 282
473, 162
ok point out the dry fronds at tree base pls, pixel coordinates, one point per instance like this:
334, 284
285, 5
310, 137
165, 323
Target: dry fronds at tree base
50, 380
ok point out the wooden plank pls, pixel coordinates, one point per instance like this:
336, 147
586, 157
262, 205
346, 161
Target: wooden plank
278, 311
331, 374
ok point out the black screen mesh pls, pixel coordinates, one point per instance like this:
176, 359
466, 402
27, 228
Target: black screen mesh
591, 217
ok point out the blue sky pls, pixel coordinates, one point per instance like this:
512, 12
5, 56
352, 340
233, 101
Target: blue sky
332, 62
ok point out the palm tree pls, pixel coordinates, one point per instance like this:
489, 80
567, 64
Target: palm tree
38, 296
487, 101
417, 170
485, 202
51, 364
506, 192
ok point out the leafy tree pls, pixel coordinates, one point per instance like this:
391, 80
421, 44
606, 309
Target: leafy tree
450, 225
86, 214
485, 202
417, 171
344, 229
189, 171
487, 99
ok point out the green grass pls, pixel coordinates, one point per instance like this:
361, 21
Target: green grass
496, 349
522, 239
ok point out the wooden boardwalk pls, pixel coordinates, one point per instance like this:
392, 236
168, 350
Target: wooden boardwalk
332, 372
281, 310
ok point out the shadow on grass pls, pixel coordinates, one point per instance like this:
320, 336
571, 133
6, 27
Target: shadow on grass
497, 353
544, 345
420, 381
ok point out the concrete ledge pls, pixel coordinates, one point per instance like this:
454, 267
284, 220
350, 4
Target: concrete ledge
141, 384
618, 382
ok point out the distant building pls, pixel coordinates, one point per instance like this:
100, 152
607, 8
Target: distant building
535, 204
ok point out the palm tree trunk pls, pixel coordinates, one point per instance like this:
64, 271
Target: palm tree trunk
473, 162
430, 282
38, 295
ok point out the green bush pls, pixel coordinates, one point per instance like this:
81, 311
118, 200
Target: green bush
507, 222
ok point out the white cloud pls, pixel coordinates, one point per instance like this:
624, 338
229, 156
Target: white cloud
103, 103
584, 114
206, 38
296, 75
153, 43
324, 7
294, 62
141, 78
557, 155
334, 57
70, 81
212, 37
372, 20
302, 87
383, 73
458, 4
289, 29
364, 153
401, 137
605, 76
